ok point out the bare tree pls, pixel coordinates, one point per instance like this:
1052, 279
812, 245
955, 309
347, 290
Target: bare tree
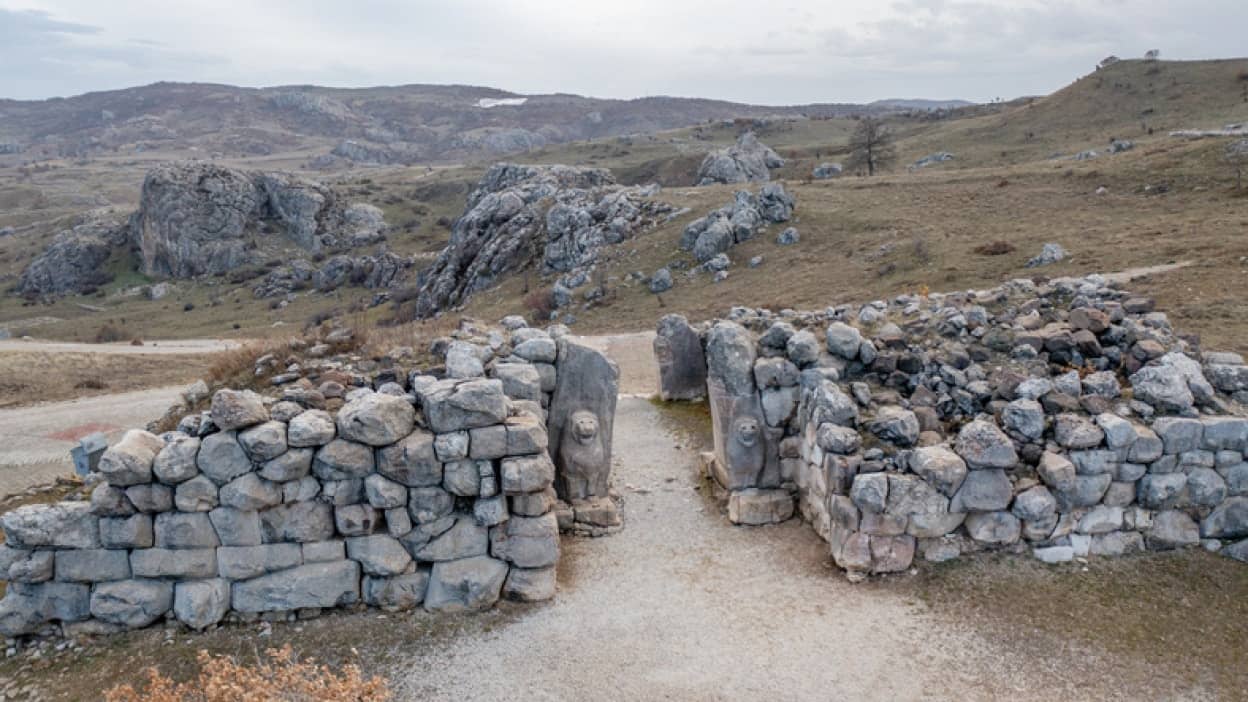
1237, 156
871, 145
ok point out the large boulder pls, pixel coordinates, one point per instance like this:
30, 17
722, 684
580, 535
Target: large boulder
749, 160
682, 364
567, 214
74, 261
316, 585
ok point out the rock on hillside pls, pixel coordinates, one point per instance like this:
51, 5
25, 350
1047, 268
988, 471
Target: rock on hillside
517, 213
746, 162
74, 261
198, 218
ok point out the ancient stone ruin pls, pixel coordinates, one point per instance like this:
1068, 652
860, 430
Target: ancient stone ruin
1062, 419
441, 489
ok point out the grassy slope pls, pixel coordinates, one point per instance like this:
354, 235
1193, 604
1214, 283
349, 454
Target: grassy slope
861, 238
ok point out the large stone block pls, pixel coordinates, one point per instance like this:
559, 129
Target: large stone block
527, 542
530, 584
310, 429
236, 527
1228, 520
150, 498
891, 554
754, 506
465, 584
245, 562
200, 604
464, 539
127, 532
57, 525
376, 419
682, 364
250, 493
526, 474
452, 405
222, 458
316, 585
199, 494
521, 381
399, 592
176, 461
341, 459
237, 409
26, 607
129, 462
983, 491
92, 565
984, 446
22, 566
264, 441
131, 603
298, 521
185, 530
993, 527
412, 461
379, 554
180, 564
582, 420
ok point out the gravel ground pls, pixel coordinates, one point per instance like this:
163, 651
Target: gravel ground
681, 605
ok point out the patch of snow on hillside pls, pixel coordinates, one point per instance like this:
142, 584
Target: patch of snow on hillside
491, 102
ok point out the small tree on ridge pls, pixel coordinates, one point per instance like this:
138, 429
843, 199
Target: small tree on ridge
871, 145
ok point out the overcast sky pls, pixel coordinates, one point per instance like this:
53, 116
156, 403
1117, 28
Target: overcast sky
760, 51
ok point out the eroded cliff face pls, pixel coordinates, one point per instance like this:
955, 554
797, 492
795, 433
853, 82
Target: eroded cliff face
557, 217
201, 218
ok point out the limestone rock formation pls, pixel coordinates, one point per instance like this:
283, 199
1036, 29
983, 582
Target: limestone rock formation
74, 262
558, 217
198, 218
747, 161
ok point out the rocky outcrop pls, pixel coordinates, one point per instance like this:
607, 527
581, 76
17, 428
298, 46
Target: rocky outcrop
556, 217
747, 161
200, 218
737, 221
74, 262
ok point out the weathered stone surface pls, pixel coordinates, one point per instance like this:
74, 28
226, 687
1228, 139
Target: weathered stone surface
399, 592
526, 435
452, 405
176, 461
149, 498
250, 492
1057, 471
746, 161
526, 474
682, 364
236, 527
1025, 418
451, 447
411, 461
237, 409
582, 419
521, 381
92, 565
109, 501
466, 584
376, 419
244, 562
429, 504
1116, 543
984, 446
895, 425
57, 525
843, 340
323, 585
527, 542
1228, 520
294, 464
341, 459
185, 530
379, 554
891, 554
310, 429
1172, 529
463, 478
199, 494
993, 527
943, 468
1035, 504
464, 539
298, 521
1205, 487
131, 603
1179, 434
27, 606
129, 462
263, 441
982, 491
870, 492
174, 563
1101, 519
127, 532
221, 458
200, 604
1161, 491
530, 584
22, 566
1086, 491
1076, 432
384, 493
356, 519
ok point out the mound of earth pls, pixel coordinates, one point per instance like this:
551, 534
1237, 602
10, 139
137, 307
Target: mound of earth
518, 215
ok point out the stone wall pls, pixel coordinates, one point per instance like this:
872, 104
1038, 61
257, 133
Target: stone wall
1062, 419
434, 489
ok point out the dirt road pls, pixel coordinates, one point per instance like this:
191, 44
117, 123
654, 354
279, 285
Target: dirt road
176, 346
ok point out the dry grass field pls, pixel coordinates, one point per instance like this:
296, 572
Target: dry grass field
31, 377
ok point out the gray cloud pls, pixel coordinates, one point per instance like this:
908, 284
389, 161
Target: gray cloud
789, 51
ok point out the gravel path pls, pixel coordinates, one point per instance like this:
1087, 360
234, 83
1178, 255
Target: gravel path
683, 606
162, 348
35, 440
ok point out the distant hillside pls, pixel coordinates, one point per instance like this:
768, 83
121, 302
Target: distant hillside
402, 124
904, 104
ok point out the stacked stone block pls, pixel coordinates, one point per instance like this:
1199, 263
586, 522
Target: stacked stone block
440, 498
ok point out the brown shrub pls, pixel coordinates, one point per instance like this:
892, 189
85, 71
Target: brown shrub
994, 248
236, 368
1242, 75
280, 679
540, 304
110, 333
